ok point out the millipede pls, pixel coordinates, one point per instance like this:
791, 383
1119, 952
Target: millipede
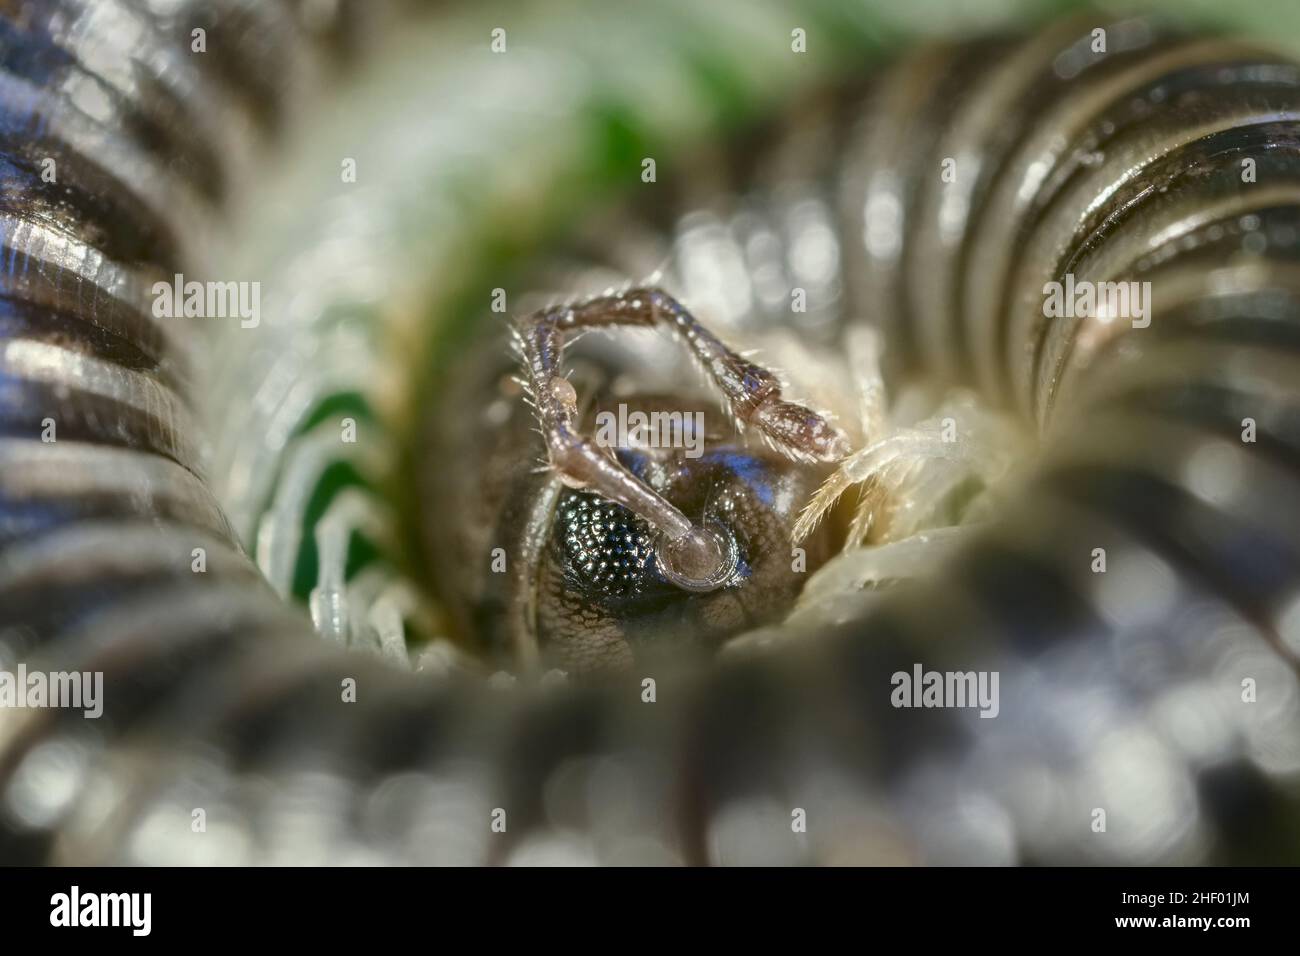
976, 345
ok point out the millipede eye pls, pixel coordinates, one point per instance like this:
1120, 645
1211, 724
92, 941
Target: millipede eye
607, 549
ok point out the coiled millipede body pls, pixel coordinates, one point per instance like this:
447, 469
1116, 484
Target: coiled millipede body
937, 207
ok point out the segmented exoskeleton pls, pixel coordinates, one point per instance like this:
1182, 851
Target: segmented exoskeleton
1170, 450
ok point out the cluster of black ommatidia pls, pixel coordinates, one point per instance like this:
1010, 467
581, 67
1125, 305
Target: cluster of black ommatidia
606, 547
